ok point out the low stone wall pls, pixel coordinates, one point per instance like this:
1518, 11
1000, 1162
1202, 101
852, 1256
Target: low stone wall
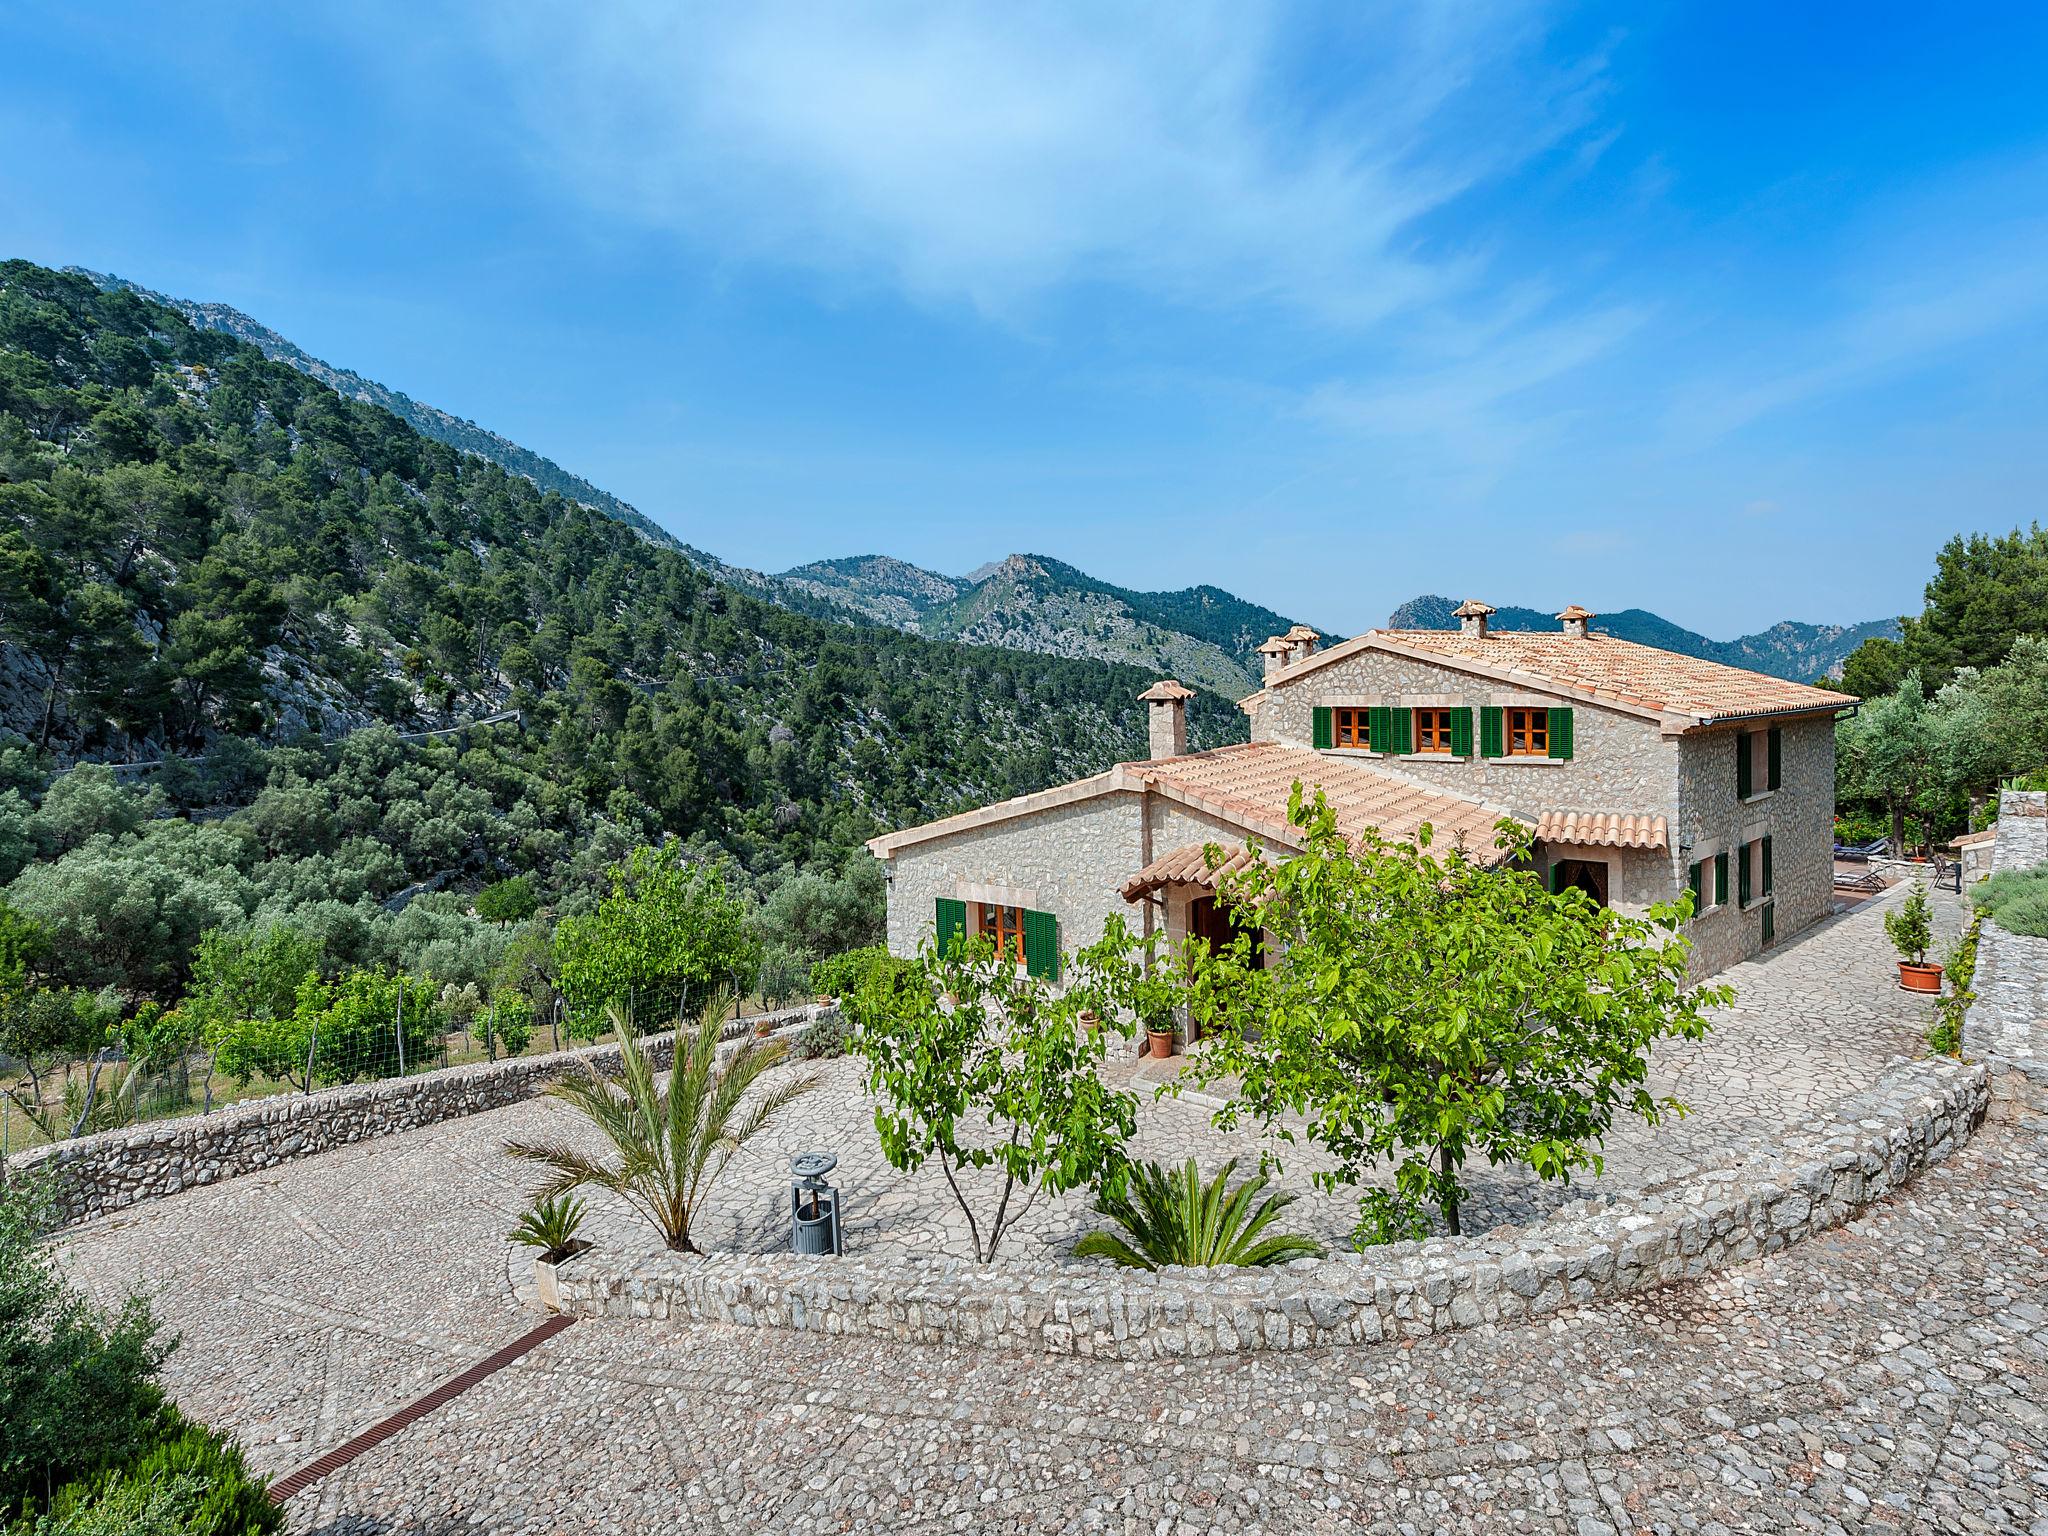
1811, 1180
110, 1171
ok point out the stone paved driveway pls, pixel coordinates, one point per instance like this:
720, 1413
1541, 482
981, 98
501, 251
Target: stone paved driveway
1891, 1376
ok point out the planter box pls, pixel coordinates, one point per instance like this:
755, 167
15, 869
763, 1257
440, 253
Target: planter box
547, 1278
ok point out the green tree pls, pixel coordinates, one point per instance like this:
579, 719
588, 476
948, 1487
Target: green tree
1887, 752
507, 901
339, 1032
1875, 668
669, 931
673, 1139
1986, 592
991, 1074
1422, 1010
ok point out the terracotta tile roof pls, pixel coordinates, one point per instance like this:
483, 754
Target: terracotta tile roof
1615, 671
1972, 839
1249, 784
1165, 692
1601, 828
1187, 865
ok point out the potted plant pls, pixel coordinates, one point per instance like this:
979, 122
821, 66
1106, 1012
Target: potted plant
1911, 930
1159, 1034
550, 1229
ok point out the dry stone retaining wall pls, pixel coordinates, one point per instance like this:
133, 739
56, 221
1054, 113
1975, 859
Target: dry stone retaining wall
110, 1171
1811, 1180
2007, 1026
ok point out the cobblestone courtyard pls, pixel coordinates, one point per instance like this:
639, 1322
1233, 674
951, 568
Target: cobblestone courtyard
1889, 1376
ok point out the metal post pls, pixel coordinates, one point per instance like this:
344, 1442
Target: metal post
401, 1024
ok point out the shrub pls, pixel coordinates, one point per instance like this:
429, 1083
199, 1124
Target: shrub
551, 1226
826, 1036
1174, 1218
2017, 899
863, 980
1959, 966
192, 1483
1910, 926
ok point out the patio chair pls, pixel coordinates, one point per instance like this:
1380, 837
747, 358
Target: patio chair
1948, 875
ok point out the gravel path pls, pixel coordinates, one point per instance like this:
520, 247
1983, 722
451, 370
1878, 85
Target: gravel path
1888, 1377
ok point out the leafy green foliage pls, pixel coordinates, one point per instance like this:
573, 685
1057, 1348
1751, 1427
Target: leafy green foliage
672, 1139
78, 1389
2016, 899
1910, 925
1422, 1009
193, 1482
979, 1068
337, 1032
1172, 1217
551, 1227
507, 901
1959, 971
669, 932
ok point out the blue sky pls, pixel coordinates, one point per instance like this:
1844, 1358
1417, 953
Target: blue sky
1734, 312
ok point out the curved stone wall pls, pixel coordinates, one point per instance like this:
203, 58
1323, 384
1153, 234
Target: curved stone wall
110, 1171
1812, 1178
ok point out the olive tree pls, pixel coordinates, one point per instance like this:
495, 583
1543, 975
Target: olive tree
1421, 1009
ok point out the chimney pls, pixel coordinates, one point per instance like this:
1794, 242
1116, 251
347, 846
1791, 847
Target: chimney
1575, 620
1277, 653
1302, 641
1471, 616
1166, 721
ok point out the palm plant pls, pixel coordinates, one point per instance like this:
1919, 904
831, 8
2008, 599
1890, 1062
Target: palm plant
672, 1139
1172, 1217
551, 1227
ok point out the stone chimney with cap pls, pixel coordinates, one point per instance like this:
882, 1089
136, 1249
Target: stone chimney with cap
1276, 653
1575, 620
1166, 721
1471, 616
1302, 641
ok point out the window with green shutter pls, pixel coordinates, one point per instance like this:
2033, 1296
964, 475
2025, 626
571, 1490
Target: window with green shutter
1742, 875
1560, 734
1461, 733
1402, 736
1721, 878
1743, 770
1381, 727
952, 923
1041, 945
1490, 731
1777, 755
1321, 726
1699, 882
1767, 864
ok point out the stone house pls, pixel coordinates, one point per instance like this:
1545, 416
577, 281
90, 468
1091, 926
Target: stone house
1639, 772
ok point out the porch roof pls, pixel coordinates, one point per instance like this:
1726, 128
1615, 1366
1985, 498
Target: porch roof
1604, 829
1187, 865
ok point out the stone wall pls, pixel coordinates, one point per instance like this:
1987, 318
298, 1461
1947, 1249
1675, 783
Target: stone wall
1806, 1182
1799, 816
2007, 1026
115, 1169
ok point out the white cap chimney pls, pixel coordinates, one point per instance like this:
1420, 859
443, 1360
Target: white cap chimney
1166, 706
1471, 616
1576, 620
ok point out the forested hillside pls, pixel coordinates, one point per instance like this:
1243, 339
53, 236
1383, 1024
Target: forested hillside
211, 561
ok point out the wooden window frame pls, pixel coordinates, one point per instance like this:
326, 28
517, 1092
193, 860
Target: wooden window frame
1432, 731
1007, 931
1353, 722
1525, 732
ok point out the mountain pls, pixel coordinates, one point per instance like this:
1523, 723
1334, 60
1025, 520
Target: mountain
207, 553
1790, 649
1203, 635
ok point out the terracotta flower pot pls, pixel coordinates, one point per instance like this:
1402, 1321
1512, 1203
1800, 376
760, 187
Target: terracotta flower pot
1159, 1041
1919, 978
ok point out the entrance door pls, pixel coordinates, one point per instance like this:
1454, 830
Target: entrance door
1210, 922
1588, 875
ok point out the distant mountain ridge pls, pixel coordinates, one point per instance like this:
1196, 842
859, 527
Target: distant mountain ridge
1790, 649
1203, 635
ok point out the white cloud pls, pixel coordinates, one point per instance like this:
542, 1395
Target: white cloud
1197, 152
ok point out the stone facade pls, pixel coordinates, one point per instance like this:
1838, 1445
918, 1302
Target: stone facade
99, 1174
1803, 1183
2007, 1025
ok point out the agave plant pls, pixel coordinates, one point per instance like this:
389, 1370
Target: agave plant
673, 1139
551, 1226
1174, 1218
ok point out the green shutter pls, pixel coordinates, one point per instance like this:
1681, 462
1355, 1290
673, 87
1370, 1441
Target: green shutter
1556, 878
1379, 726
1491, 731
1699, 885
1323, 736
1742, 773
1777, 751
952, 923
1721, 878
1041, 945
1770, 925
1560, 733
1767, 865
1461, 733
1742, 876
1403, 739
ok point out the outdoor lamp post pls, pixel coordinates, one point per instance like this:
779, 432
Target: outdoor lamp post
813, 1205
